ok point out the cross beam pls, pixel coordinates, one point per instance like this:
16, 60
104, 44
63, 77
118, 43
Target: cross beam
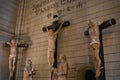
55, 25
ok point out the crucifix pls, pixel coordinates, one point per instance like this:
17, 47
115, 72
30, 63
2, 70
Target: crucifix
13, 56
96, 46
53, 31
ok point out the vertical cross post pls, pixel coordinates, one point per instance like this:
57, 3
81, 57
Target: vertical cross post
103, 26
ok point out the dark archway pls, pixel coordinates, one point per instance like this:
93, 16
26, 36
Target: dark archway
90, 75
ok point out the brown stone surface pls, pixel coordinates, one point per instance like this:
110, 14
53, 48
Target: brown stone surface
71, 40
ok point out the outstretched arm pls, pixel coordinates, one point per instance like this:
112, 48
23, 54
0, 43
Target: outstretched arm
59, 27
16, 43
47, 30
8, 43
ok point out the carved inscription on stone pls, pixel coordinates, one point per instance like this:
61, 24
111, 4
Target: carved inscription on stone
47, 5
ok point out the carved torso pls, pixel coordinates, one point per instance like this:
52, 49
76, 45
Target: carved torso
94, 34
13, 51
51, 41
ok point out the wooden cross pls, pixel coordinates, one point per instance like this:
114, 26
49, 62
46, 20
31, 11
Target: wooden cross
55, 27
18, 45
102, 26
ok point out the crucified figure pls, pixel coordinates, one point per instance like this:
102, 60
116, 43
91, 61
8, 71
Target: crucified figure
52, 36
12, 56
95, 46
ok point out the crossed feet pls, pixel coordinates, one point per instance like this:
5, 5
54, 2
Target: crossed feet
98, 72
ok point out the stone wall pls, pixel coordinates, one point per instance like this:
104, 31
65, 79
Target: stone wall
8, 12
71, 39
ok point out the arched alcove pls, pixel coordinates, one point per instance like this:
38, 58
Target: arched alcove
85, 72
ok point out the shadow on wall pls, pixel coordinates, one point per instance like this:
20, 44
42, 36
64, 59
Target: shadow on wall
85, 72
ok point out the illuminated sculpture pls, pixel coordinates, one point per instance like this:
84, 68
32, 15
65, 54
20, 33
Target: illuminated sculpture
53, 31
28, 71
62, 70
12, 56
96, 45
